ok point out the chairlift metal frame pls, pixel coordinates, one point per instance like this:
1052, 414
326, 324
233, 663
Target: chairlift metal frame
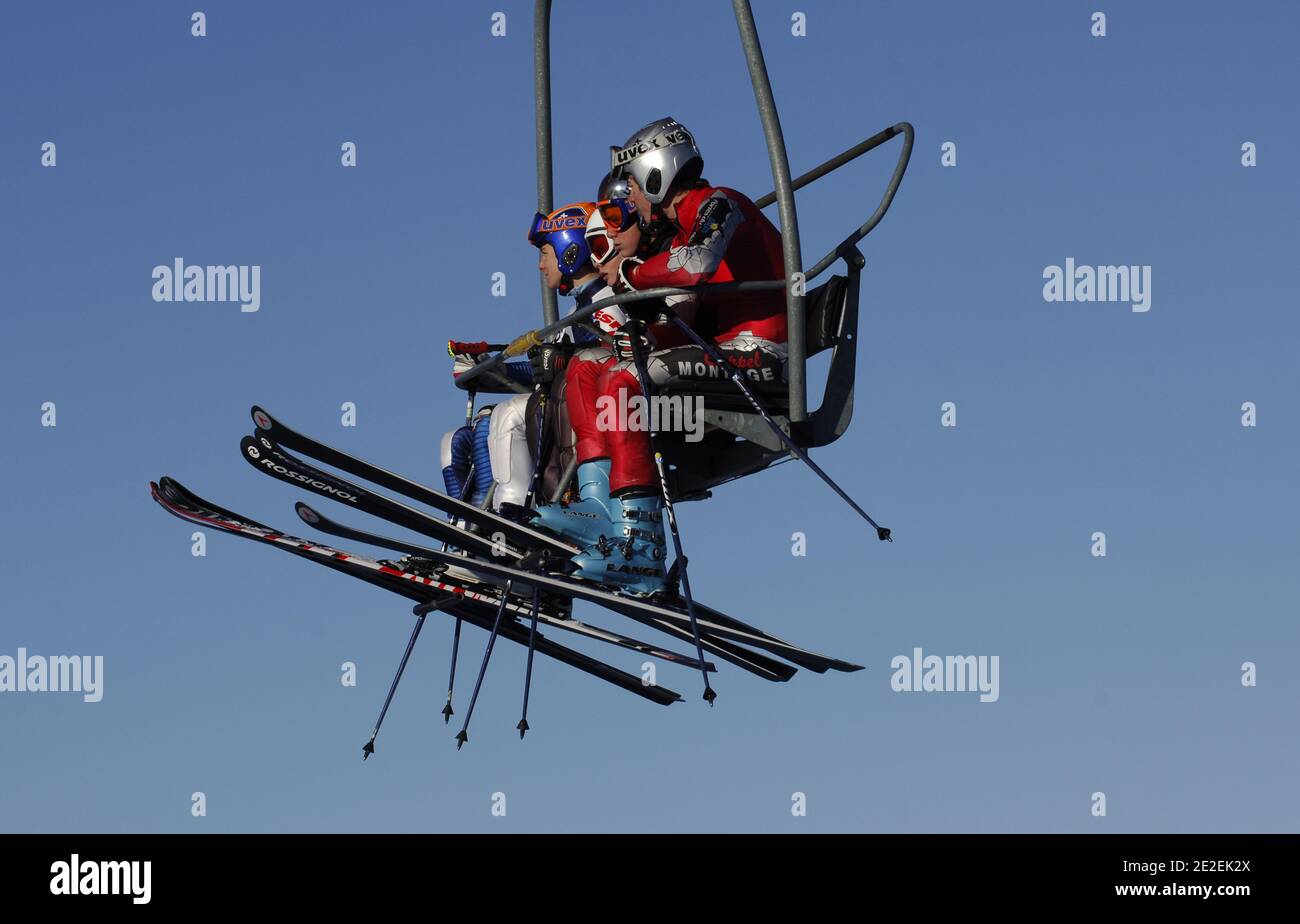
749, 446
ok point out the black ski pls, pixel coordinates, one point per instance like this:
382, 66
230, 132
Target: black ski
516, 534
459, 584
449, 581
263, 454
752, 661
643, 611
472, 607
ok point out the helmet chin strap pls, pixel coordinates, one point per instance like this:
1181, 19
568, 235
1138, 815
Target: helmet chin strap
569, 283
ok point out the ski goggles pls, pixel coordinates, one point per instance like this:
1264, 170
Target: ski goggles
619, 214
599, 243
609, 218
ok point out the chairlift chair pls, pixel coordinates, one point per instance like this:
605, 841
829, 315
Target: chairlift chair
737, 442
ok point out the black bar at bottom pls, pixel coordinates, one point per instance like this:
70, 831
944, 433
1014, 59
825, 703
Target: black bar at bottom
384, 873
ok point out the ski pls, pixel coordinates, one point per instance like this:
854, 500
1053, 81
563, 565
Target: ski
264, 455
752, 661
491, 524
313, 517
470, 604
454, 581
515, 533
813, 661
643, 611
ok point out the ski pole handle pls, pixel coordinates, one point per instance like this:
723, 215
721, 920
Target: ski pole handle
477, 348
521, 345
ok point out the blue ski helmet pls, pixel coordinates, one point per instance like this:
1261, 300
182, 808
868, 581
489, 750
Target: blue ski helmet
565, 230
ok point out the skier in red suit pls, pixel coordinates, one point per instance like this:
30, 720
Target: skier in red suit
717, 235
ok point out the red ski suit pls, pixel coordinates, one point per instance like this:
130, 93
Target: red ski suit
721, 237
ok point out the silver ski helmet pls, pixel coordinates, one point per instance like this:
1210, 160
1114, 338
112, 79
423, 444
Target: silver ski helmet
613, 186
655, 155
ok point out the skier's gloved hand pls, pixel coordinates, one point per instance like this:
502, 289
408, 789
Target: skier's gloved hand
625, 266
548, 360
632, 333
460, 362
465, 355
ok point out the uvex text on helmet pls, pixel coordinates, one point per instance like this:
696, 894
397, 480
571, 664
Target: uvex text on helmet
655, 155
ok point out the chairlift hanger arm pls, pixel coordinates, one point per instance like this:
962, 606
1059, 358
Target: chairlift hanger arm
844, 157
542, 129
846, 247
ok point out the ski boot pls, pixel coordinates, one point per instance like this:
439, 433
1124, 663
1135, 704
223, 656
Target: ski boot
631, 558
588, 519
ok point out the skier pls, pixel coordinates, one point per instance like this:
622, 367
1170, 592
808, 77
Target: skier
497, 445
719, 235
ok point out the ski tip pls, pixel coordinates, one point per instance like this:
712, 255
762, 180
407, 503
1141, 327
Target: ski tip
523, 728
249, 447
261, 418
461, 738
306, 514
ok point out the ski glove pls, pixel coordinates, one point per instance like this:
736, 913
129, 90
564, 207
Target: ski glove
627, 264
630, 335
548, 360
465, 356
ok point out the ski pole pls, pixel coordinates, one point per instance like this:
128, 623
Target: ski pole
714, 354
528, 673
542, 448
463, 735
447, 711
639, 358
420, 611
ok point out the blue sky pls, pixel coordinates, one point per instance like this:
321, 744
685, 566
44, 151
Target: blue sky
1118, 674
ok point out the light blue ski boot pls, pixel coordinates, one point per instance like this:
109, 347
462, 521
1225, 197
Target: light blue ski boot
586, 520
631, 556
